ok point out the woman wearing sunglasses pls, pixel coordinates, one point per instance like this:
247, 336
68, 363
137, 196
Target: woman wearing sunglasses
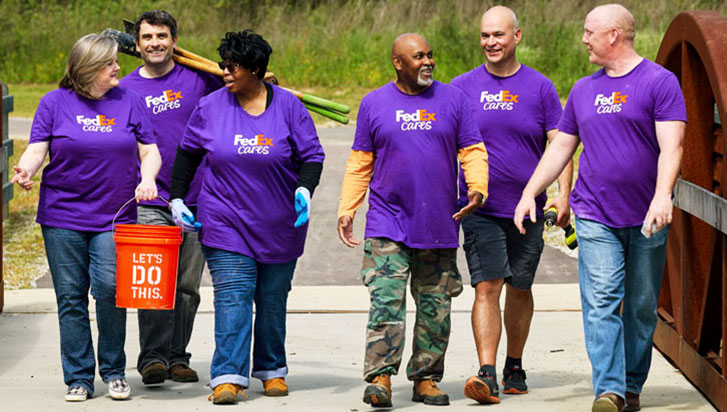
264, 162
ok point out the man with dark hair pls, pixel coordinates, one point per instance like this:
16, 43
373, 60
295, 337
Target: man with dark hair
170, 93
409, 135
630, 116
517, 110
156, 18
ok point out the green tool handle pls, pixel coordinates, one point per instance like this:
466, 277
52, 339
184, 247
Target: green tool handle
327, 113
320, 102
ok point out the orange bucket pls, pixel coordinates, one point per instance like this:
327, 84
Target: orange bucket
146, 265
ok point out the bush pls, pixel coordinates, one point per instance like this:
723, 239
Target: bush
327, 43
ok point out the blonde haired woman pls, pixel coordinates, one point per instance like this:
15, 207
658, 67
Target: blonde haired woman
94, 133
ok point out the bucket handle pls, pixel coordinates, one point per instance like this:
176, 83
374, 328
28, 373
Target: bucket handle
113, 222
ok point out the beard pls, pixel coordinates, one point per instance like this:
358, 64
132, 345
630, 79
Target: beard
425, 82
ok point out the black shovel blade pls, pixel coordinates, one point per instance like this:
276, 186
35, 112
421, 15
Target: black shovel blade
125, 41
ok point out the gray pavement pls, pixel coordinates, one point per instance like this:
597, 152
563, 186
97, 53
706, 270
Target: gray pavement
325, 347
19, 127
327, 317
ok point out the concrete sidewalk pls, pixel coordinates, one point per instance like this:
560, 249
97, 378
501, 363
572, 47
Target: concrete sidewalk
325, 352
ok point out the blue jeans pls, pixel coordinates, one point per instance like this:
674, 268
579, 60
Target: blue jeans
79, 260
237, 281
615, 266
165, 334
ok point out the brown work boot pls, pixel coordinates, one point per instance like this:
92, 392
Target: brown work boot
608, 402
426, 391
632, 402
378, 393
183, 373
226, 394
154, 373
275, 387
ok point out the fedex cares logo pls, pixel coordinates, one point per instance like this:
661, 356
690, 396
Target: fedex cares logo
417, 120
610, 103
502, 100
168, 100
99, 123
254, 145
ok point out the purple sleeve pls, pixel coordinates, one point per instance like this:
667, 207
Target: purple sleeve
141, 122
362, 140
193, 140
42, 123
551, 105
567, 123
304, 134
669, 100
468, 132
457, 82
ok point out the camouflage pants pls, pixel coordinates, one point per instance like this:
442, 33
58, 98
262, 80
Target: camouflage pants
434, 281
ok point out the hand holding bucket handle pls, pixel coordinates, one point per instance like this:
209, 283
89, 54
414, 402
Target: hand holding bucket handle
193, 224
146, 190
183, 217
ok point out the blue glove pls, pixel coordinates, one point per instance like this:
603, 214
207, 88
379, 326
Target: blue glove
302, 206
183, 217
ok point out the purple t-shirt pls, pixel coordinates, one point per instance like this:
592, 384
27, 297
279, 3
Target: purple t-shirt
93, 153
614, 117
514, 115
415, 139
246, 204
170, 100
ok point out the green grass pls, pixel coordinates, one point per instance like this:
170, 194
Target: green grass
26, 97
23, 251
334, 44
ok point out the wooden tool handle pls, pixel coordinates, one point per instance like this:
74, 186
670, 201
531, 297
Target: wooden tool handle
205, 67
190, 59
193, 56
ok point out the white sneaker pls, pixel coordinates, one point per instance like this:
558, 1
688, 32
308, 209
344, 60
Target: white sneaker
76, 394
119, 389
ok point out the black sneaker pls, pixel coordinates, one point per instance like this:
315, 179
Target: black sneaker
482, 388
513, 381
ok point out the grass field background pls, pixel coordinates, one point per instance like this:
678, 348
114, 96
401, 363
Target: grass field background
337, 47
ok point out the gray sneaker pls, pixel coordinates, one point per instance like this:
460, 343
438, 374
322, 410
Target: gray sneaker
76, 394
119, 389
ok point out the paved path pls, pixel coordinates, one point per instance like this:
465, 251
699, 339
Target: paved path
325, 351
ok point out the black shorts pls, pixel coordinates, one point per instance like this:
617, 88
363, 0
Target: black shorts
495, 249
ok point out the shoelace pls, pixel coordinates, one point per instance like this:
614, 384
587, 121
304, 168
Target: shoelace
517, 375
77, 390
241, 392
485, 375
119, 385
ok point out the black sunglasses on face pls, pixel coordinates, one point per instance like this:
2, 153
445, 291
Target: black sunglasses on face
231, 66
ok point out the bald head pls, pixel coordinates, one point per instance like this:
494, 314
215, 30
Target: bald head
502, 15
413, 61
614, 15
406, 43
499, 37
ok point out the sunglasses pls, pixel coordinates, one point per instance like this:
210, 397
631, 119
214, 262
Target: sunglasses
231, 66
